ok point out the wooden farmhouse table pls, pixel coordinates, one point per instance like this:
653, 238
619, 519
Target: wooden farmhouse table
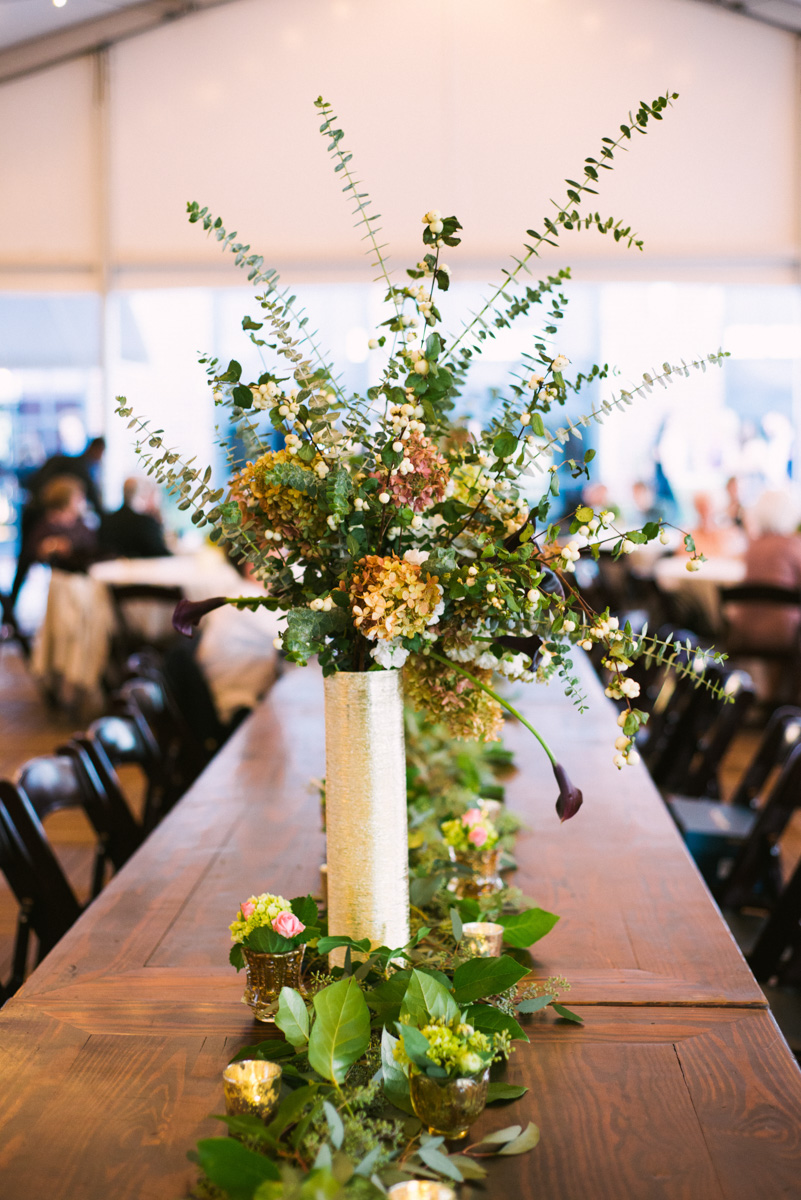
679, 1085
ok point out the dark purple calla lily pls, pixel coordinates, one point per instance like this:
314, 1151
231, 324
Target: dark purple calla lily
570, 798
188, 613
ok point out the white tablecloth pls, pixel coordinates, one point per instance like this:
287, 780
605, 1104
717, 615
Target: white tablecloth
72, 645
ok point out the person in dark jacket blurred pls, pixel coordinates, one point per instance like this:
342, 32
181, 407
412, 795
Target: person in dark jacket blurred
135, 529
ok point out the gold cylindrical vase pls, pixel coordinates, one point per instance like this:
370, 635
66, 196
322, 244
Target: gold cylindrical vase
365, 800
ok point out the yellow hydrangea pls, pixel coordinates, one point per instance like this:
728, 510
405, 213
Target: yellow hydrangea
391, 598
288, 512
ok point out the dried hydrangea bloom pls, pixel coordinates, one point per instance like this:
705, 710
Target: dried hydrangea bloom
392, 598
289, 513
421, 479
447, 697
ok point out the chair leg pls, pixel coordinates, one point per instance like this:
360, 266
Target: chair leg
779, 933
19, 961
99, 872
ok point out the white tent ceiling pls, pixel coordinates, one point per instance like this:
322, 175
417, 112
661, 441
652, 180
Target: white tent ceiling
479, 108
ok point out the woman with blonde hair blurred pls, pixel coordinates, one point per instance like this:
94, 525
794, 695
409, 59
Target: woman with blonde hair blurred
62, 539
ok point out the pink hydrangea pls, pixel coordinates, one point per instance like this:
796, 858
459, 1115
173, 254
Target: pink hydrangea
478, 835
426, 483
288, 925
247, 908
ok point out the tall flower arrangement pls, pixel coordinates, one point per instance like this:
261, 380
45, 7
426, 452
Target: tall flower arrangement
388, 534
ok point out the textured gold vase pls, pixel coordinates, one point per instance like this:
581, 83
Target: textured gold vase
486, 879
365, 802
448, 1106
266, 974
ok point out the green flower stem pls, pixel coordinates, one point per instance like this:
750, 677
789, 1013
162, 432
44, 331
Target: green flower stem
477, 682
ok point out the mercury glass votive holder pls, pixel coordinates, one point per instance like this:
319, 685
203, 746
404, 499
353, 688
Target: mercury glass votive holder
266, 974
252, 1087
482, 939
448, 1106
421, 1189
485, 879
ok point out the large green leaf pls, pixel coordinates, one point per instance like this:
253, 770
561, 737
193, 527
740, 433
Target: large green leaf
396, 1081
491, 1020
525, 928
385, 998
341, 1031
426, 998
480, 977
498, 1090
292, 1017
305, 909
267, 941
232, 1167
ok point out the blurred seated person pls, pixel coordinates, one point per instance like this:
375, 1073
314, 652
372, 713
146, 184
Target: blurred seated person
83, 467
713, 535
135, 529
772, 557
61, 537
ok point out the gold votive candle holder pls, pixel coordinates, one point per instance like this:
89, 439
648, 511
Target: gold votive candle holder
483, 939
252, 1087
421, 1189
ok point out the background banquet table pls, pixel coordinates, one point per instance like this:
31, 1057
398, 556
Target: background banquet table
699, 590
679, 1085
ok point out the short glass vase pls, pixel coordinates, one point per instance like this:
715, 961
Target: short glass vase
266, 974
485, 879
448, 1107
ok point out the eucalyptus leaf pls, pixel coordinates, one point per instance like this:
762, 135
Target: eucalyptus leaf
341, 1030
456, 925
534, 1004
433, 1157
334, 1124
498, 1091
527, 1140
500, 1137
566, 1014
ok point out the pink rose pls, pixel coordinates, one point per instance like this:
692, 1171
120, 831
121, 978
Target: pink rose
288, 925
247, 908
471, 816
478, 836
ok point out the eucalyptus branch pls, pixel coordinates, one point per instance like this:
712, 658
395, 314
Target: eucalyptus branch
665, 651
567, 215
368, 220
254, 265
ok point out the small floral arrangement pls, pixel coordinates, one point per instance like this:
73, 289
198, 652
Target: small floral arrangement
471, 833
449, 1049
272, 925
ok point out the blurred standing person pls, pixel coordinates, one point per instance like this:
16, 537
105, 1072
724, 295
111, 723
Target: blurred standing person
135, 530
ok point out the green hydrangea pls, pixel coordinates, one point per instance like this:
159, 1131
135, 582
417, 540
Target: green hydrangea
457, 1047
265, 908
472, 833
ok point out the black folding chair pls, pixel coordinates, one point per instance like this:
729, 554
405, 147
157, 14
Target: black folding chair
47, 904
116, 741
54, 782
740, 646
687, 758
776, 956
755, 876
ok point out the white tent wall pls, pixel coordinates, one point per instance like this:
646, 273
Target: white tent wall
475, 108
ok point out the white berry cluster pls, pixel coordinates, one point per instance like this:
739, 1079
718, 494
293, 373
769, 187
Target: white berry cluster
265, 394
626, 755
433, 219
321, 604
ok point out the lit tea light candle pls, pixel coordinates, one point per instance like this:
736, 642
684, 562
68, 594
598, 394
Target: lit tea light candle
483, 939
421, 1189
252, 1086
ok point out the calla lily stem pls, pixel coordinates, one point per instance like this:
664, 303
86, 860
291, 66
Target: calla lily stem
447, 662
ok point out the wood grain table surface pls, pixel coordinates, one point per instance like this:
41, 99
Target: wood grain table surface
678, 1086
